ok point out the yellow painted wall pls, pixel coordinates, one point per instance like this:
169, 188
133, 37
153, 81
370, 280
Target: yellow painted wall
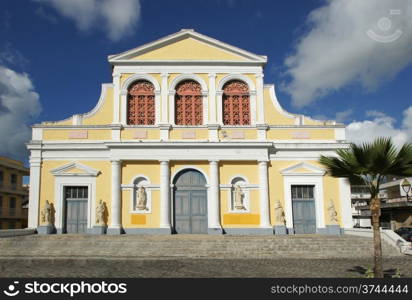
272, 115
248, 170
63, 134
276, 190
229, 169
314, 134
177, 133
188, 49
128, 134
331, 190
103, 182
249, 134
131, 169
134, 220
104, 115
150, 169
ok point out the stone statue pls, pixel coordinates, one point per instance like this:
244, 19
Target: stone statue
46, 213
238, 194
100, 210
279, 213
333, 215
141, 198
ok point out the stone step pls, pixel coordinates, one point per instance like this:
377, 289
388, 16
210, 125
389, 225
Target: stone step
190, 246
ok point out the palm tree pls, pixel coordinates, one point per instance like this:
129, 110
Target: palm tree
368, 164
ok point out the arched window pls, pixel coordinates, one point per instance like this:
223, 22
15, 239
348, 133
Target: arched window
236, 104
141, 103
188, 103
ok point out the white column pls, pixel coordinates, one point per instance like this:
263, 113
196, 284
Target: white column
116, 99
345, 203
219, 96
164, 96
213, 201
212, 99
123, 107
259, 96
264, 194
116, 209
253, 108
171, 95
34, 192
158, 105
165, 195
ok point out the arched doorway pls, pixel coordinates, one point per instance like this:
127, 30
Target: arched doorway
190, 202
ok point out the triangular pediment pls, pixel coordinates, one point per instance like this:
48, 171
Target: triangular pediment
303, 168
74, 169
187, 45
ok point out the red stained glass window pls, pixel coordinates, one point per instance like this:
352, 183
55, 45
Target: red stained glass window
236, 103
188, 103
141, 103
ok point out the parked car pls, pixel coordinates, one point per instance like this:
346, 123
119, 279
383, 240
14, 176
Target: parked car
405, 232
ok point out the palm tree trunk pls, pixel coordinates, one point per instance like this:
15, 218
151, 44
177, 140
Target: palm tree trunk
377, 244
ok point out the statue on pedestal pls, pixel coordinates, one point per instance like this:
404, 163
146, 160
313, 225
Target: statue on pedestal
141, 199
238, 197
46, 213
279, 213
333, 215
100, 210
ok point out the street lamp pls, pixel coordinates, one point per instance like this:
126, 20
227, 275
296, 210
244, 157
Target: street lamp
406, 186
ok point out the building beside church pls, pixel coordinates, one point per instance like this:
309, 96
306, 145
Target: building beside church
13, 194
187, 139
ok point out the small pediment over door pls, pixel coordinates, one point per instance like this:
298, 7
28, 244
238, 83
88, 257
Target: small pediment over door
303, 168
75, 169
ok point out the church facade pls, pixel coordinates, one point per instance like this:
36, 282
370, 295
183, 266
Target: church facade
186, 139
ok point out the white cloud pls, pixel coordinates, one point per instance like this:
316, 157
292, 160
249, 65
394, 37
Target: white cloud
379, 125
118, 18
19, 105
337, 51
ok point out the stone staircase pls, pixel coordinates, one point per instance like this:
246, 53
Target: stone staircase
190, 246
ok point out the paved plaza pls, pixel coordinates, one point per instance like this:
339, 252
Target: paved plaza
164, 268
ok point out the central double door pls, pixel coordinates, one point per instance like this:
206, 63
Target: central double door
190, 203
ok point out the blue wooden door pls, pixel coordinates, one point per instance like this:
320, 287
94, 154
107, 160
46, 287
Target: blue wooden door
76, 209
190, 203
303, 207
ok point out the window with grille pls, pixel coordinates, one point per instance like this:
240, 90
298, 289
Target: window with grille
302, 192
236, 103
141, 103
13, 181
12, 206
188, 103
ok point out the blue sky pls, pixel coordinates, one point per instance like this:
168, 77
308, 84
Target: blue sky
320, 58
